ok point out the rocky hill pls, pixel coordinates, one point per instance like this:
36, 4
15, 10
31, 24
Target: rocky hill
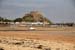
35, 16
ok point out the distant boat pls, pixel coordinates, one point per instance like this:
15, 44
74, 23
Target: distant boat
32, 28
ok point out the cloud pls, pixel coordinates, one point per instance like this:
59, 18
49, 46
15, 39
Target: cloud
1, 3
63, 9
31, 5
73, 2
25, 4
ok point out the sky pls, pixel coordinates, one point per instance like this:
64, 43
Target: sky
56, 10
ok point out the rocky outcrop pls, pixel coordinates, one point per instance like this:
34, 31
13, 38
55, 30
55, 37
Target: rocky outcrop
35, 16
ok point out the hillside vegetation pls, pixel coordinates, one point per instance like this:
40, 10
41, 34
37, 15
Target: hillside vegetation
33, 16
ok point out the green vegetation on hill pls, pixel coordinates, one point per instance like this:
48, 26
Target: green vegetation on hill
28, 18
33, 16
4, 20
1, 19
18, 20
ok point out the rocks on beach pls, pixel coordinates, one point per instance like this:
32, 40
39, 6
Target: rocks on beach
8, 43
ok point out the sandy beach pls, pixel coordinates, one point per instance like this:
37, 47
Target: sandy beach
52, 39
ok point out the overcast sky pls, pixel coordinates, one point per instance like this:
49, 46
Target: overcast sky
55, 10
